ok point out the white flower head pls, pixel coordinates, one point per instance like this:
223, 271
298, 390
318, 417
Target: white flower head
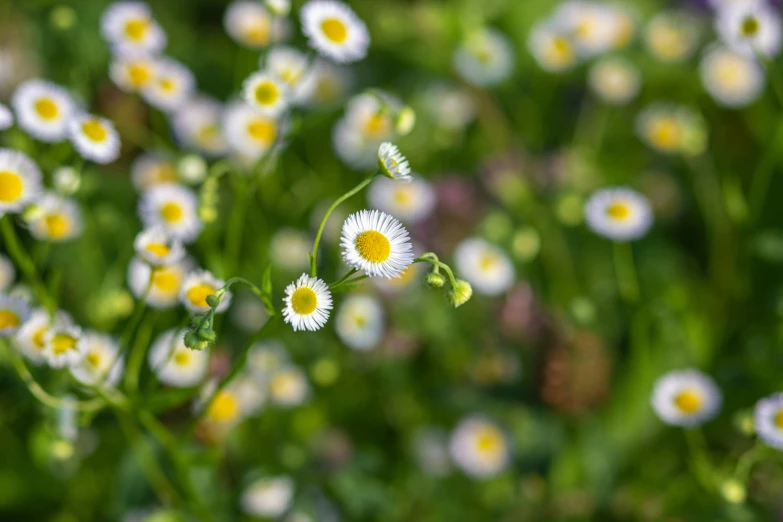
615, 80
672, 36
160, 286
288, 387
360, 322
485, 58
752, 27
618, 213
293, 68
197, 287
392, 163
173, 207
174, 363
43, 110
20, 181
552, 47
334, 30
133, 72
197, 125
172, 86
593, 25
252, 25
486, 267
268, 497
479, 447
14, 311
56, 218
686, 398
129, 26
731, 78
670, 128
7, 273
157, 247
249, 132
368, 122
100, 362
30, 336
768, 420
95, 138
266, 357
152, 168
224, 409
376, 243
288, 249
6, 117
64, 345
307, 303
265, 92
410, 202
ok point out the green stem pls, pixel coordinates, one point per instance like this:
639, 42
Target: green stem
625, 271
26, 264
137, 355
433, 260
762, 176
343, 279
747, 461
700, 463
242, 193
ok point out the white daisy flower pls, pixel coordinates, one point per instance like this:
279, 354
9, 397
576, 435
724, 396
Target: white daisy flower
288, 387
619, 214
368, 122
672, 36
592, 25
485, 58
152, 168
292, 67
307, 303
768, 420
197, 125
171, 88
266, 357
173, 207
95, 138
392, 163
133, 72
56, 219
249, 132
6, 117
452, 107
7, 273
664, 127
615, 80
479, 447
100, 362
130, 26
197, 286
250, 24
327, 84
731, 78
250, 393
376, 243
156, 247
174, 363
64, 346
164, 282
265, 92
486, 267
279, 7
334, 30
30, 336
686, 398
268, 497
288, 249
14, 311
552, 47
410, 202
752, 27
360, 322
20, 181
43, 110
224, 409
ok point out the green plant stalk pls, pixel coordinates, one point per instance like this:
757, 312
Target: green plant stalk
625, 271
26, 264
762, 176
699, 460
433, 260
242, 193
137, 354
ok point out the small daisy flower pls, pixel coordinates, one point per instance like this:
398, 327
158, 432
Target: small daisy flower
14, 311
20, 181
591, 24
100, 362
248, 131
30, 336
292, 67
334, 30
670, 129
452, 107
56, 219
686, 398
485, 58
266, 357
197, 287
752, 27
265, 92
552, 47
625, 26
392, 163
672, 36
43, 110
288, 249
152, 168
6, 117
173, 207
479, 447
130, 26
368, 122
307, 303
197, 125
250, 393
288, 387
7, 273
164, 282
327, 84
486, 267
95, 138
64, 346
174, 363
157, 247
619, 214
410, 202
360, 322
172, 86
268, 497
133, 72
731, 78
224, 409
768, 420
250, 24
376, 243
615, 80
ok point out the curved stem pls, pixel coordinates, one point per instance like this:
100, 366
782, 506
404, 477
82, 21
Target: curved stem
433, 260
343, 279
26, 264
625, 272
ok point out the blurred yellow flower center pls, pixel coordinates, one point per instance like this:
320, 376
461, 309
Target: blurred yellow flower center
778, 420
488, 261
95, 130
688, 401
8, 319
224, 407
266, 93
167, 84
136, 29
561, 51
373, 246
334, 30
618, 210
165, 280
750, 26
94, 359
38, 337
282, 384
403, 197
171, 212
62, 343
163, 173
262, 130
10, 186
304, 300
257, 34
731, 73
158, 249
291, 75
376, 125
46, 108
488, 440
206, 136
139, 74
182, 358
57, 226
665, 133
198, 294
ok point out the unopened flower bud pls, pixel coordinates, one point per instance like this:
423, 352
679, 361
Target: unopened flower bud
460, 293
279, 7
213, 300
66, 180
193, 342
435, 280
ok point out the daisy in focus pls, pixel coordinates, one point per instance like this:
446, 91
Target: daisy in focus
768, 420
252, 25
686, 398
479, 448
197, 125
159, 286
100, 362
672, 36
157, 247
334, 30
485, 58
614, 80
14, 311
174, 208
307, 303
175, 364
619, 214
64, 346
55, 219
95, 138
360, 322
376, 243
265, 92
288, 387
486, 267
197, 287
43, 110
20, 181
411, 202
731, 78
268, 497
752, 27
172, 86
392, 164
129, 26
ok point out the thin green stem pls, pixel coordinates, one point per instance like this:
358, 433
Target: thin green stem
748, 460
343, 279
242, 194
762, 176
433, 260
26, 264
137, 354
625, 271
699, 461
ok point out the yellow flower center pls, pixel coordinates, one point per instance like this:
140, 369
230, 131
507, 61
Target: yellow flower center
750, 26
95, 130
488, 261
257, 34
290, 75
335, 30
666, 133
63, 342
93, 359
778, 420
304, 301
11, 186
561, 51
262, 130
57, 225
38, 337
166, 280
163, 173
207, 135
488, 441
182, 358
376, 125
688, 401
198, 294
158, 249
171, 212
266, 93
618, 210
167, 84
136, 29
403, 197
139, 74
373, 246
282, 384
8, 319
46, 108
224, 408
